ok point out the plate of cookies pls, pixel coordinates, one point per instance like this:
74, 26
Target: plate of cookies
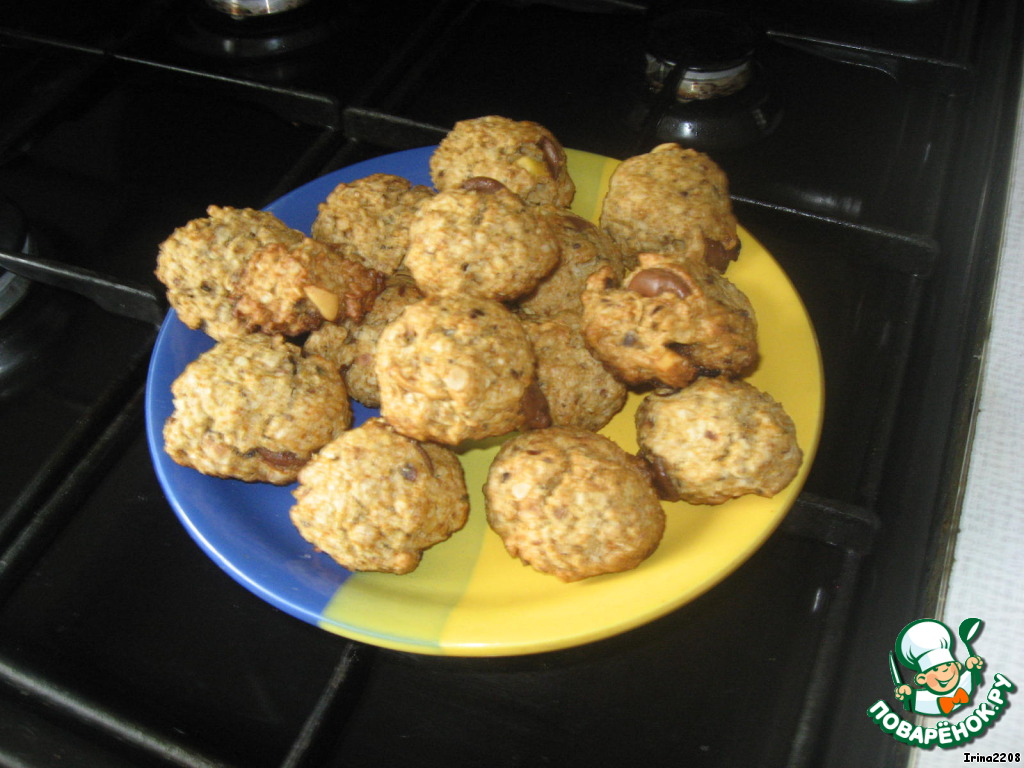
489, 397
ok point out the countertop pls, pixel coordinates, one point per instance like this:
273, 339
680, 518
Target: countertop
987, 576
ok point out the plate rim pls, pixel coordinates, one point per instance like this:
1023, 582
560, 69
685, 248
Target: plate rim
302, 611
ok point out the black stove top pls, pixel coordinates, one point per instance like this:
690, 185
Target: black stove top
867, 150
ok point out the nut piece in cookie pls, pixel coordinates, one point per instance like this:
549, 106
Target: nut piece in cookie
671, 320
452, 368
202, 261
672, 199
571, 503
253, 408
291, 289
369, 218
579, 390
524, 156
352, 346
583, 248
374, 500
481, 240
716, 440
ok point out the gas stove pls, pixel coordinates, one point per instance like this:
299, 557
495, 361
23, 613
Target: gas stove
866, 144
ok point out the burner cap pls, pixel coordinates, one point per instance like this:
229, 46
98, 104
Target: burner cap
706, 41
710, 52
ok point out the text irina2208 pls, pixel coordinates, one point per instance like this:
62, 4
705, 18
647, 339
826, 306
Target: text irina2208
995, 757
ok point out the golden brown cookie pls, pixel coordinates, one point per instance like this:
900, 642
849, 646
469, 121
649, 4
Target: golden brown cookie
671, 320
253, 408
482, 240
524, 156
716, 440
583, 248
352, 346
374, 500
369, 218
454, 368
202, 261
579, 390
672, 199
572, 503
294, 288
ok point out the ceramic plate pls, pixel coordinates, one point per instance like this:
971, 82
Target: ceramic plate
468, 597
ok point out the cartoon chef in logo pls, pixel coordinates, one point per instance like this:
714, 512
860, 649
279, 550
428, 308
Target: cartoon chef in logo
941, 685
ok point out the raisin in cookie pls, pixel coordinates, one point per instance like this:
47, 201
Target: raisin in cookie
352, 346
672, 200
481, 240
452, 368
670, 320
716, 440
524, 156
293, 288
579, 390
202, 261
572, 503
253, 408
369, 218
374, 500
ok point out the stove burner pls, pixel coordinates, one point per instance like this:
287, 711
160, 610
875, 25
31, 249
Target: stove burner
32, 317
709, 52
698, 84
252, 38
705, 88
12, 290
13, 237
254, 7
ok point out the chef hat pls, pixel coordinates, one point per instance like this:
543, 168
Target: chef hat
924, 644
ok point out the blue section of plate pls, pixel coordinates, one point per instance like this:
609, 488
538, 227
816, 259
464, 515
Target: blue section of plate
298, 208
244, 527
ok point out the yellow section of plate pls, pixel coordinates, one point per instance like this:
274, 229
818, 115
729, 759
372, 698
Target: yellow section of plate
409, 612
509, 609
591, 174
470, 598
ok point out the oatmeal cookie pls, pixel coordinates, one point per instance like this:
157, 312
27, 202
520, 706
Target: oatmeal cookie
579, 390
253, 408
572, 503
293, 288
374, 500
352, 346
524, 156
671, 320
583, 248
672, 200
716, 440
370, 218
454, 368
202, 261
481, 240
